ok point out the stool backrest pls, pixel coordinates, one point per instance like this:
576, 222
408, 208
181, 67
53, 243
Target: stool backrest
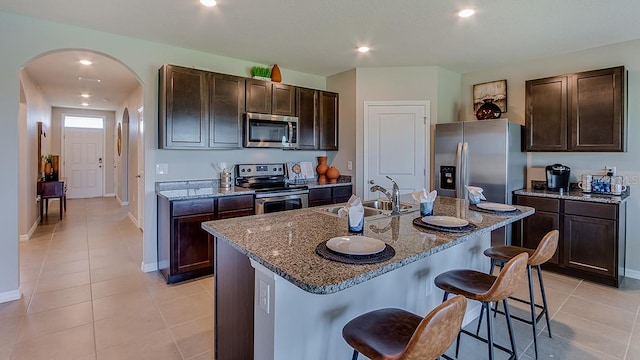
436, 331
508, 281
546, 248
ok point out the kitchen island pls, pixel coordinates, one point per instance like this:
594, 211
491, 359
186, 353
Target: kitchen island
275, 298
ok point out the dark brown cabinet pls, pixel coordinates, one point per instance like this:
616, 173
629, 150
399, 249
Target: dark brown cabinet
318, 119
329, 195
183, 108
576, 112
199, 109
592, 236
267, 97
185, 250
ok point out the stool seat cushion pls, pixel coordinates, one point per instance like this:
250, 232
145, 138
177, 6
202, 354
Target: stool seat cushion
506, 253
470, 283
381, 334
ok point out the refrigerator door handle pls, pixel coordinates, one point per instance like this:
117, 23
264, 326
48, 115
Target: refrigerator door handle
464, 179
460, 170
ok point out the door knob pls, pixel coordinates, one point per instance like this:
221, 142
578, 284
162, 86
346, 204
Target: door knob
137, 176
371, 182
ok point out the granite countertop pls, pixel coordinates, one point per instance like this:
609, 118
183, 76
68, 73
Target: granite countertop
193, 189
576, 195
285, 242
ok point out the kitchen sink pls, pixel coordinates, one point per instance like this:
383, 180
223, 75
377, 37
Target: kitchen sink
367, 211
387, 205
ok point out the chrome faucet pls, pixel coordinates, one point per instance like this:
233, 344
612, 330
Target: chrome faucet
394, 196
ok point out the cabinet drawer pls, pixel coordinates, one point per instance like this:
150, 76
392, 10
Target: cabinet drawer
192, 207
603, 211
540, 204
229, 203
320, 194
342, 191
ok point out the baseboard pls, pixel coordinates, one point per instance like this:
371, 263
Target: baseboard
10, 295
149, 267
28, 235
133, 220
109, 195
634, 274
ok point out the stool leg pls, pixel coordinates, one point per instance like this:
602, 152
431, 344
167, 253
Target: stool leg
355, 355
512, 339
60, 208
446, 295
533, 311
489, 330
544, 299
495, 313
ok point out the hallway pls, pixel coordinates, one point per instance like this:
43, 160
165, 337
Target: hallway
85, 297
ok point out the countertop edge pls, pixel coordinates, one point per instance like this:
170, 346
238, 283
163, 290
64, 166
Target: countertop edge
576, 195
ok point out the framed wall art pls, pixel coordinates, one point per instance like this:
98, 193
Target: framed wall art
496, 91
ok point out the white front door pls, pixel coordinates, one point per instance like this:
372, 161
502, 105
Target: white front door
396, 144
84, 162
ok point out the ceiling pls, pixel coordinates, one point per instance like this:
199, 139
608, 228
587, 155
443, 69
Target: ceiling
320, 37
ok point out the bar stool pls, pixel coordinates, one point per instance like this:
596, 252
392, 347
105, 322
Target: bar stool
388, 334
486, 288
545, 250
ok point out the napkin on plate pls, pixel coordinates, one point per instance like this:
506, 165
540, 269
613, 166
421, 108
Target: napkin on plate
423, 196
354, 210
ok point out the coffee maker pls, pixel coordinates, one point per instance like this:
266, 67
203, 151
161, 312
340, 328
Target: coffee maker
558, 177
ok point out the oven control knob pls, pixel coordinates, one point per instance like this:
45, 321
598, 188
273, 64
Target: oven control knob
248, 170
279, 169
242, 170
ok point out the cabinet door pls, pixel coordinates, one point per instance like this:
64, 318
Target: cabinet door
183, 107
258, 96
534, 227
307, 118
546, 114
225, 111
597, 110
192, 247
320, 196
328, 121
283, 100
341, 194
235, 206
590, 244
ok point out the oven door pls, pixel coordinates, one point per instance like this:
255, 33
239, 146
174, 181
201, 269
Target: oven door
274, 202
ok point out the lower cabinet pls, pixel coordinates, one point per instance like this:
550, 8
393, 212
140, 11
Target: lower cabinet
592, 236
329, 195
185, 250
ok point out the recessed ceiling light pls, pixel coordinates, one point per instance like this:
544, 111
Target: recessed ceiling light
88, 79
85, 95
85, 62
466, 13
363, 49
209, 3
85, 104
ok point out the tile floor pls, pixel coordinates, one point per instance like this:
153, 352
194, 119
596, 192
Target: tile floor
86, 298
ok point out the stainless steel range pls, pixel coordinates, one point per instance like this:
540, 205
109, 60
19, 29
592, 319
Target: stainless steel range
273, 192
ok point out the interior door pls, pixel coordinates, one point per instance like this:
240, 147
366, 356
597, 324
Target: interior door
396, 145
84, 162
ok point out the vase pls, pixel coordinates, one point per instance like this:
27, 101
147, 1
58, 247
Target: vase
276, 76
488, 110
321, 169
332, 174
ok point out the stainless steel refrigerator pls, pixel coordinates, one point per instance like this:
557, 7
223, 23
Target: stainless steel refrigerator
484, 153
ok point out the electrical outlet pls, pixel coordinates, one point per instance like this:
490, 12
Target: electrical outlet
162, 169
349, 165
610, 169
263, 296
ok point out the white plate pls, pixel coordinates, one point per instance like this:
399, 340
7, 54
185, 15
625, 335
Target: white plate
355, 245
445, 221
495, 207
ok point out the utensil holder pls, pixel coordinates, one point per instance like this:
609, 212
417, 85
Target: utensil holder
225, 180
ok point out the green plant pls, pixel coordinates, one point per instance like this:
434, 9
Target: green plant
261, 71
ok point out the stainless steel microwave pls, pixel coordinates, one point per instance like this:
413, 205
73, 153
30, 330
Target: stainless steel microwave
271, 131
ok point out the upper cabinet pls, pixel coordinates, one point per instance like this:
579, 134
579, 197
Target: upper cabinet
199, 109
577, 112
317, 119
267, 97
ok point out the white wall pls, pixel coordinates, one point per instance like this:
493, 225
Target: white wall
37, 109
626, 53
345, 84
23, 39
